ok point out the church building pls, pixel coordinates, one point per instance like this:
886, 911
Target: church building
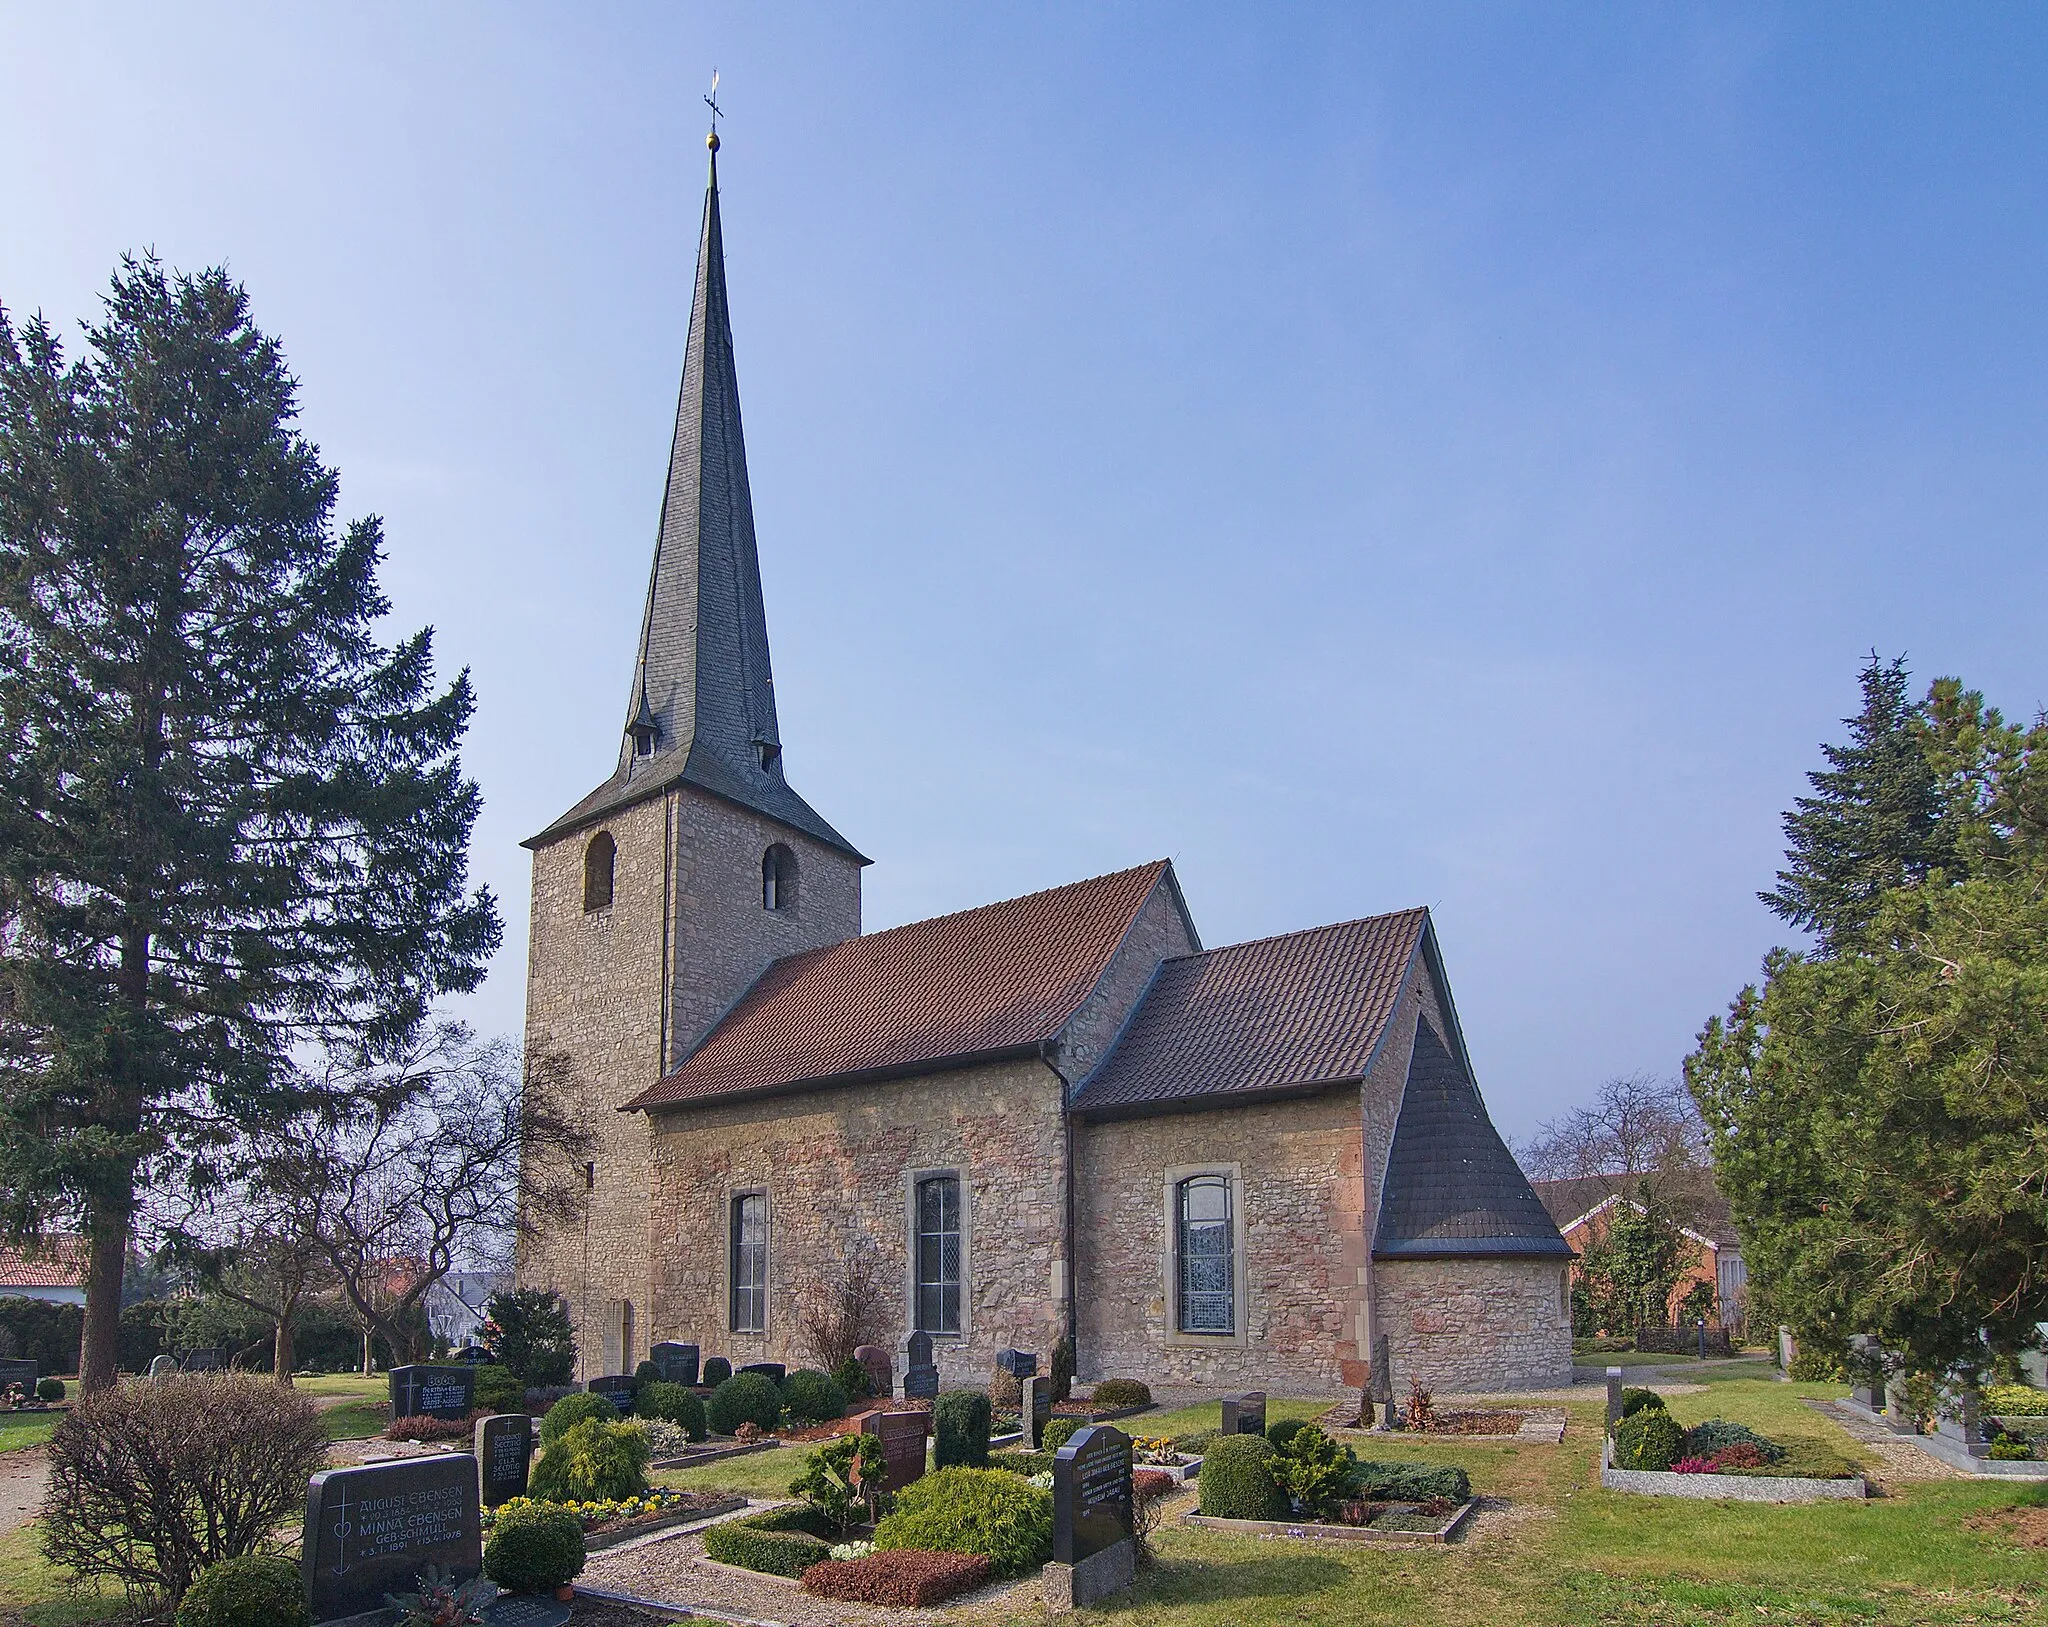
1054, 1117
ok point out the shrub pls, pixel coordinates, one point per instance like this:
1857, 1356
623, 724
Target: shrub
782, 1542
2016, 1401
1704, 1440
1021, 1462
853, 1379
745, 1398
1649, 1439
1122, 1392
1005, 1389
527, 1330
1404, 1482
960, 1430
1058, 1431
50, 1389
643, 1375
664, 1439
903, 1577
426, 1427
716, 1371
1634, 1399
1237, 1480
1313, 1470
1693, 1466
572, 1410
2010, 1449
843, 1479
1818, 1366
594, 1461
1809, 1460
1004, 1518
1284, 1431
499, 1389
812, 1397
150, 1484
534, 1548
1738, 1458
251, 1590
1061, 1369
1150, 1483
674, 1403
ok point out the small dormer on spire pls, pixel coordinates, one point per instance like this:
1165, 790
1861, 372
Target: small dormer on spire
644, 732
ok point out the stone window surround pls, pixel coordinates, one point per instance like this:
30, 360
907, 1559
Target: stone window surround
1169, 1263
940, 1341
732, 1197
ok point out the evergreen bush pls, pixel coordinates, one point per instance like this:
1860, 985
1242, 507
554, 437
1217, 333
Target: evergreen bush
572, 1410
961, 1421
1704, 1440
1314, 1472
1405, 1482
1058, 1431
1634, 1399
528, 1331
675, 1404
1002, 1517
535, 1548
250, 1590
812, 1397
781, 1542
716, 1371
50, 1389
745, 1398
498, 1389
1283, 1431
1122, 1392
1237, 1481
1062, 1370
1648, 1439
592, 1462
853, 1379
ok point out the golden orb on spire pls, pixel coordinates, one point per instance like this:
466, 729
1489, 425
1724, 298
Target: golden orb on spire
711, 140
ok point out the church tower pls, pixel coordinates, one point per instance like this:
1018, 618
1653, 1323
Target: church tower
661, 896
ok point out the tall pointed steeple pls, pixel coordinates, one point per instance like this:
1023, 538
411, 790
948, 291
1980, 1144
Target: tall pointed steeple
702, 705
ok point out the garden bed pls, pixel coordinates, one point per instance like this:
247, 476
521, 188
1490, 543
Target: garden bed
712, 1451
706, 1506
1402, 1525
1739, 1488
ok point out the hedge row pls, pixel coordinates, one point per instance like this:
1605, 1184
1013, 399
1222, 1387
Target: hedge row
781, 1542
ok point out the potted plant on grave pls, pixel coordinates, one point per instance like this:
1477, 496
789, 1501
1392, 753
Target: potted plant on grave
441, 1601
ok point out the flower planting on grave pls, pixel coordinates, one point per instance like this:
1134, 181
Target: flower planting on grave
534, 1547
906, 1578
424, 1427
1315, 1482
250, 1590
1157, 1449
607, 1516
1002, 1517
1649, 1440
441, 1601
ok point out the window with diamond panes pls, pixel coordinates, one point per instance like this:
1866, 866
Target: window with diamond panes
1208, 1301
750, 1263
938, 1254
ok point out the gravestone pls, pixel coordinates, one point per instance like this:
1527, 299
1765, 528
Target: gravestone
1034, 1408
1382, 1372
19, 1372
1093, 1513
617, 1388
526, 1610
1245, 1414
1613, 1399
902, 1435
678, 1363
773, 1371
1866, 1371
881, 1374
504, 1449
419, 1390
162, 1366
920, 1373
371, 1530
208, 1360
1960, 1417
1018, 1364
475, 1355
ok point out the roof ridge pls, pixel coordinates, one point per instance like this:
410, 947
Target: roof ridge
1157, 866
1299, 932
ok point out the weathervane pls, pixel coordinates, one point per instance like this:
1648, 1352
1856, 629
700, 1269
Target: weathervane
711, 101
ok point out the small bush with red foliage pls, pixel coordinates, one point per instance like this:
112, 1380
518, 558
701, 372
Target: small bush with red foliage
1149, 1483
427, 1428
904, 1577
1693, 1466
1738, 1457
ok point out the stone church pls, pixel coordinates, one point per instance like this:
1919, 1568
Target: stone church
1056, 1116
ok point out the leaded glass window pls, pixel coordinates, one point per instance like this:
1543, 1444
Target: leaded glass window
938, 1254
750, 1262
1203, 1242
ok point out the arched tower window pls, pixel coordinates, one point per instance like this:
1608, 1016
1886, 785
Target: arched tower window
778, 879
598, 860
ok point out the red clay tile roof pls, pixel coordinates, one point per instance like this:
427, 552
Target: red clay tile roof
1002, 977
1303, 1009
57, 1263
1574, 1197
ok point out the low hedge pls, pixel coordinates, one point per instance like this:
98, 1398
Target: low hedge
1649, 1439
1404, 1482
781, 1542
1122, 1392
254, 1590
1237, 1480
745, 1398
535, 1548
961, 1420
1000, 1516
571, 1410
1022, 1462
903, 1577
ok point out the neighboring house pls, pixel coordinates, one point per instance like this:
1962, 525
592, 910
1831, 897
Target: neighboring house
1055, 1117
455, 1304
1582, 1208
54, 1271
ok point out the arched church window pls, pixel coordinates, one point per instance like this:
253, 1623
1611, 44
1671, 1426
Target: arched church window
778, 879
598, 860
1204, 1247
938, 1254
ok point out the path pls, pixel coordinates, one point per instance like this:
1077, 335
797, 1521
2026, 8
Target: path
1904, 1458
24, 1473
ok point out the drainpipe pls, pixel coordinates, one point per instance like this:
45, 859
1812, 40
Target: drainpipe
1046, 1051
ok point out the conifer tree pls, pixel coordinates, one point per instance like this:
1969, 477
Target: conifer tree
1873, 822
232, 823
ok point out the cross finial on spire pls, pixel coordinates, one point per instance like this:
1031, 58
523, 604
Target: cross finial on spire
711, 101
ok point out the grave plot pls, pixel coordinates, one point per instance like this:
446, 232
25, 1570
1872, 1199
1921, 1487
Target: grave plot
1312, 1487
1646, 1452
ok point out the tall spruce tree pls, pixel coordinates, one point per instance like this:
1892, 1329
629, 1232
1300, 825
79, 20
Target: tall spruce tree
232, 823
1873, 822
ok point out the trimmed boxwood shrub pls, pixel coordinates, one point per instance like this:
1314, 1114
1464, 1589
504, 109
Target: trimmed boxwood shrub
535, 1548
49, 1389
593, 1462
781, 1542
254, 1590
903, 1577
572, 1410
1122, 1392
1002, 1517
1237, 1480
1704, 1440
1649, 1439
960, 1430
1404, 1482
716, 1371
1285, 1430
1634, 1399
643, 1375
745, 1398
1059, 1431
674, 1403
812, 1397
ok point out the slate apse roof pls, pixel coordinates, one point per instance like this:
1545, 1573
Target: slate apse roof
1002, 978
1255, 1019
59, 1263
1452, 1188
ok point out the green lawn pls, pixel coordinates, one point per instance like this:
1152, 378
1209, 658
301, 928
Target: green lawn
30, 1585
18, 1429
355, 1420
758, 1474
1186, 1420
1627, 1358
377, 1387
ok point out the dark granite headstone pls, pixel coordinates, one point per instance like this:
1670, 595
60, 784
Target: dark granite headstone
209, 1360
475, 1355
678, 1363
423, 1391
1034, 1408
920, 1373
1245, 1414
881, 1373
774, 1371
1017, 1363
1091, 1494
1866, 1371
902, 1435
1382, 1372
504, 1448
19, 1372
617, 1388
372, 1530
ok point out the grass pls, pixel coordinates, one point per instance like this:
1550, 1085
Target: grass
42, 1593
377, 1387
1627, 1358
355, 1420
19, 1429
758, 1474
1186, 1420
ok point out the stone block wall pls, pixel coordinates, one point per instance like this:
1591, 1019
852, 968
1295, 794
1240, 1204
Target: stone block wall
1301, 1198
1476, 1325
837, 1164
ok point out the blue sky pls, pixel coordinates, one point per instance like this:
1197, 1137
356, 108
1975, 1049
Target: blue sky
1373, 455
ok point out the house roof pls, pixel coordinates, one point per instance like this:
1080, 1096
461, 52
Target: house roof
1576, 1198
1005, 977
59, 1262
1295, 1012
1452, 1188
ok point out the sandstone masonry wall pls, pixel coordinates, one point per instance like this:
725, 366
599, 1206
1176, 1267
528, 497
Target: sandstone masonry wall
1476, 1325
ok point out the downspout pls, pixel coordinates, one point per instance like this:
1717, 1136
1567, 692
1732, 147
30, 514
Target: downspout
1069, 1311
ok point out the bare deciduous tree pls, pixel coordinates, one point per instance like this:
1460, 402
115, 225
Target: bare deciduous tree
848, 1309
1639, 1132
